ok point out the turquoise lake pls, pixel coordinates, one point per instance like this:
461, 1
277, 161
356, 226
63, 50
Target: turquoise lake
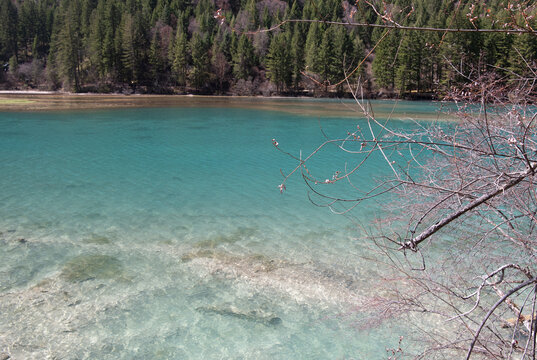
160, 233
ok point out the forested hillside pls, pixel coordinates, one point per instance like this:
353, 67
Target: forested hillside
219, 46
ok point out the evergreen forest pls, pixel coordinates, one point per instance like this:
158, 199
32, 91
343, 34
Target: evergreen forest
223, 46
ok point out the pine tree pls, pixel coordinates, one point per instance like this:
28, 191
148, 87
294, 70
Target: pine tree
8, 30
111, 25
161, 12
13, 64
204, 14
244, 58
385, 61
96, 39
408, 72
45, 16
313, 40
279, 63
114, 40
461, 51
297, 57
134, 44
253, 15
327, 65
177, 6
523, 54
179, 56
128, 50
344, 56
199, 72
293, 12
156, 62
27, 22
266, 18
220, 65
69, 44
86, 11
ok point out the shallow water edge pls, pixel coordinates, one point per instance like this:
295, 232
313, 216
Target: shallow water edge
346, 108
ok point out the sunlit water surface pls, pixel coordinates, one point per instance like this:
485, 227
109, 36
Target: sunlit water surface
160, 233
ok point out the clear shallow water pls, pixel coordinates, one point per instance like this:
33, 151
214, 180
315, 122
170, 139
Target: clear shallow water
160, 234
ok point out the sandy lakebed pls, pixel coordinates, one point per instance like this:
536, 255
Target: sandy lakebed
343, 108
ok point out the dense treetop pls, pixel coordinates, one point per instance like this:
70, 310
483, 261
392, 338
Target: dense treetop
218, 46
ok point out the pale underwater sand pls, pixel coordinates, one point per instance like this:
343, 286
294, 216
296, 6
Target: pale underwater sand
397, 110
160, 234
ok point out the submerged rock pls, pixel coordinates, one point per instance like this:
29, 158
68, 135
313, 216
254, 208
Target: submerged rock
99, 240
256, 262
240, 233
95, 266
257, 316
207, 253
306, 283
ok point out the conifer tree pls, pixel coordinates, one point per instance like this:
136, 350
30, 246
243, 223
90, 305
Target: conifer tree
266, 18
297, 57
244, 58
408, 72
113, 40
156, 62
220, 65
204, 14
128, 56
8, 30
293, 12
134, 45
69, 44
279, 63
327, 65
161, 12
313, 40
386, 59
523, 54
498, 51
253, 15
27, 21
13, 64
96, 39
344, 56
110, 50
45, 16
179, 56
200, 71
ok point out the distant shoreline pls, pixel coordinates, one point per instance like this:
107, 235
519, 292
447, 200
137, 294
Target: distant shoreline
32, 101
379, 96
27, 92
